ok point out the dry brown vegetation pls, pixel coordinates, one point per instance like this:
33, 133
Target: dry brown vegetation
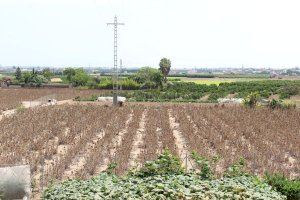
81, 140
12, 98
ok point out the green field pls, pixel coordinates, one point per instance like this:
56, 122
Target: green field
217, 81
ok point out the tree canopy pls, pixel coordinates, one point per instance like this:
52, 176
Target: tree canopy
76, 76
18, 74
34, 79
69, 72
148, 77
80, 78
47, 73
164, 67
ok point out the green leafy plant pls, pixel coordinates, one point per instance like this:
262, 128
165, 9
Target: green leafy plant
290, 188
111, 167
148, 78
288, 105
288, 90
206, 166
162, 179
166, 163
252, 99
80, 78
273, 104
21, 108
237, 169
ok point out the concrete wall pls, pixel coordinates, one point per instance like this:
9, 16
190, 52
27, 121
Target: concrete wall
15, 182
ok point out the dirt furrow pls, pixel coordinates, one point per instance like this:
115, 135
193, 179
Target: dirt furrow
78, 163
116, 143
152, 144
180, 142
99, 159
122, 154
166, 137
137, 145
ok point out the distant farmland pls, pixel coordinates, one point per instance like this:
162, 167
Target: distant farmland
229, 79
12, 98
217, 81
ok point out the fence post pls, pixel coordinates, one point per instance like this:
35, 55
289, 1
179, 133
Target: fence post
186, 161
115, 162
42, 175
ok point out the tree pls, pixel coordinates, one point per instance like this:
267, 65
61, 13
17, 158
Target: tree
18, 74
149, 77
34, 79
69, 72
47, 73
80, 78
26, 77
165, 66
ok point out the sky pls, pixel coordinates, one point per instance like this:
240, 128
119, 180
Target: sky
191, 33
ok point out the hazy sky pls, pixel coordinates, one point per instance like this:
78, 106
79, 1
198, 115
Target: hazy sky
202, 33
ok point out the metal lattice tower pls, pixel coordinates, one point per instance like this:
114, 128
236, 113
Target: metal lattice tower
115, 76
121, 66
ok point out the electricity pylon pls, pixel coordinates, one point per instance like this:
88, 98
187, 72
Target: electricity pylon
115, 76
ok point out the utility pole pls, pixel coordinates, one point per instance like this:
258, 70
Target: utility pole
121, 66
115, 69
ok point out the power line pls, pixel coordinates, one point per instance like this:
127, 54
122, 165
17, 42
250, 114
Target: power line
115, 76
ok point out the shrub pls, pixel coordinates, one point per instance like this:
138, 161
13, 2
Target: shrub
21, 108
165, 164
206, 166
288, 105
273, 104
237, 169
148, 77
105, 83
80, 78
92, 84
33, 79
290, 188
129, 84
289, 90
251, 100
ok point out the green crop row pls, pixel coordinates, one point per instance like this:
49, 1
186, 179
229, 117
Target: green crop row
164, 178
180, 91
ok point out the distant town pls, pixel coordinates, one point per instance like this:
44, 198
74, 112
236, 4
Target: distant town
272, 73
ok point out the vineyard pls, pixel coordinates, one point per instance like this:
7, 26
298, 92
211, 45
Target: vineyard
79, 141
12, 98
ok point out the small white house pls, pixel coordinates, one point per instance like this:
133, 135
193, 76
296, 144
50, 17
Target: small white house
110, 99
230, 100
